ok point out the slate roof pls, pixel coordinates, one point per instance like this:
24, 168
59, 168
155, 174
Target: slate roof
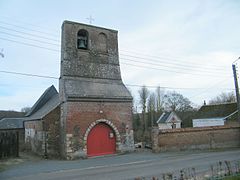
47, 102
216, 110
163, 117
45, 109
45, 97
11, 123
96, 89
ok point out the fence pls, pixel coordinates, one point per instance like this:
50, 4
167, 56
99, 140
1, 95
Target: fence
9, 144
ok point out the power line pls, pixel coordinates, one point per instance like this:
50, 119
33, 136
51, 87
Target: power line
130, 85
55, 50
29, 44
167, 58
27, 23
171, 63
140, 66
29, 34
156, 64
29, 38
27, 74
207, 89
28, 29
216, 67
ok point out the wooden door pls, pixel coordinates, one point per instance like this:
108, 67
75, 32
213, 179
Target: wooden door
101, 140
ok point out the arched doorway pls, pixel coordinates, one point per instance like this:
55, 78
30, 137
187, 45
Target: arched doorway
101, 140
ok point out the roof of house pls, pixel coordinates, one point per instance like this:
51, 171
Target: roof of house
216, 110
165, 117
11, 123
47, 102
44, 98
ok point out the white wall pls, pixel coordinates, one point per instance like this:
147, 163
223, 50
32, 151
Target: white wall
207, 122
168, 125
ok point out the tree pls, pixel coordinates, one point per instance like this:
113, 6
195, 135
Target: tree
151, 108
223, 98
25, 109
159, 100
143, 94
176, 102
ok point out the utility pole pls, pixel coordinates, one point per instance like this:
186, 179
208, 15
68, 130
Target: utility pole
236, 87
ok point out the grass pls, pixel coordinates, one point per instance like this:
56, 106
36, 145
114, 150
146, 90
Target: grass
232, 178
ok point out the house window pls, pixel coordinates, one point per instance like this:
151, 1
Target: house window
82, 39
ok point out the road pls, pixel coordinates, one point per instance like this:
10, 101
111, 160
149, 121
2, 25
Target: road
128, 166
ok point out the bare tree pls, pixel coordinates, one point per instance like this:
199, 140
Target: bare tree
25, 109
143, 94
223, 98
152, 107
176, 102
159, 99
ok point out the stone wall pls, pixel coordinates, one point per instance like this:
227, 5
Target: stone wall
34, 136
195, 138
42, 136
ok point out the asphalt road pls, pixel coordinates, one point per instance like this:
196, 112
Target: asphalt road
128, 166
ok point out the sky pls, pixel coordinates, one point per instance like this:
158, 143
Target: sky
186, 46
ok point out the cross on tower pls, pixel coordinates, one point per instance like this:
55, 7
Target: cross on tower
90, 19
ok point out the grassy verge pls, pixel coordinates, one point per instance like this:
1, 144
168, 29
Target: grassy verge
232, 178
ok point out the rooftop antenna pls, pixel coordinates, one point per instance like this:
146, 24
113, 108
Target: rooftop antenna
90, 19
1, 53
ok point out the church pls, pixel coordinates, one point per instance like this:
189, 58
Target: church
91, 115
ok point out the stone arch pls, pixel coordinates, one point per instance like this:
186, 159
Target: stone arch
102, 42
109, 123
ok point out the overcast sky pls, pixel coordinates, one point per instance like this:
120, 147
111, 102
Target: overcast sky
183, 46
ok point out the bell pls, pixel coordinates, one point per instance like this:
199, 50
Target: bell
81, 44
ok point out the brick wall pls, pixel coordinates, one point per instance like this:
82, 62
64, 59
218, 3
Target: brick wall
80, 116
52, 126
195, 138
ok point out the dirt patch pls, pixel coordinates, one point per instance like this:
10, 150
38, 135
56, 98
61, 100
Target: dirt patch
23, 157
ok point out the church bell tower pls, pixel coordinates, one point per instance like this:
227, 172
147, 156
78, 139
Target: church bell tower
92, 93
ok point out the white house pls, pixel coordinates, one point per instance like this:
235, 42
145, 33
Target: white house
169, 120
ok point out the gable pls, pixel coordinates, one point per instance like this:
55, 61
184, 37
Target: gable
44, 98
173, 118
168, 117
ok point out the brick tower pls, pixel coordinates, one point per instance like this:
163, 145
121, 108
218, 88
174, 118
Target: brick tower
96, 115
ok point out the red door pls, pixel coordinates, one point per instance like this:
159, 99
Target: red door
101, 141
